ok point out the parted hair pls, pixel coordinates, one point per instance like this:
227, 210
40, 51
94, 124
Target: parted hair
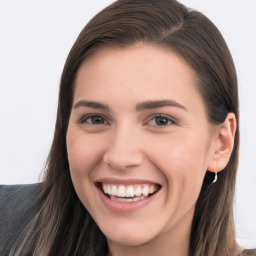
63, 226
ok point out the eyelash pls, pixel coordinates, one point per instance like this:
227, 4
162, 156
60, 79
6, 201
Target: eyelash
168, 119
85, 119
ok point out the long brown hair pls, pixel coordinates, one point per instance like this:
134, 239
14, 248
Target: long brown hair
63, 226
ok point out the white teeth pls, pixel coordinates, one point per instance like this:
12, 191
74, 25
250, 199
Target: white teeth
131, 191
145, 191
109, 189
138, 191
152, 189
121, 191
105, 189
114, 191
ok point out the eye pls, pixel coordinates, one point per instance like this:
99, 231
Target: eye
93, 119
162, 120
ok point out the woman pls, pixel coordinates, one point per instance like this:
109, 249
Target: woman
145, 151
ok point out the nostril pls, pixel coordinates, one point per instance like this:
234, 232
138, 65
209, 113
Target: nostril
122, 160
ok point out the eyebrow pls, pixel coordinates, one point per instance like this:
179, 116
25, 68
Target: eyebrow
151, 104
91, 104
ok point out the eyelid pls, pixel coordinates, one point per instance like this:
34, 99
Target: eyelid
173, 120
86, 116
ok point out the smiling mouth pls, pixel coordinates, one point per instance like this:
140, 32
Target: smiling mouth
128, 193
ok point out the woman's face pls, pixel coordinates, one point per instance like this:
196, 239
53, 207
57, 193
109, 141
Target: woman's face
139, 143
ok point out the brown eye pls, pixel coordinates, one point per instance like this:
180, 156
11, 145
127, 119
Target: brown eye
162, 121
93, 119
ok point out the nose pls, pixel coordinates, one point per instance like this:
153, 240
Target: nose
124, 150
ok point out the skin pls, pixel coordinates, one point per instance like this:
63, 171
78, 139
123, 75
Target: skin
126, 143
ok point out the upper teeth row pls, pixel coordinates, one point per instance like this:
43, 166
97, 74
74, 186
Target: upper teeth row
129, 191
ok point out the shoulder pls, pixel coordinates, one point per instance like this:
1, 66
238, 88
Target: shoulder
251, 252
18, 191
16, 199
18, 205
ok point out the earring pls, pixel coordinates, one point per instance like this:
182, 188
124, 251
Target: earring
215, 178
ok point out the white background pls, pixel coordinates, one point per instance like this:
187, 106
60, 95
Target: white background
35, 38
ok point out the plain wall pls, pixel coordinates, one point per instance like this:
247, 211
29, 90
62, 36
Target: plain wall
35, 38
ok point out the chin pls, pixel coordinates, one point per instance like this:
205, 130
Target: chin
130, 240
129, 234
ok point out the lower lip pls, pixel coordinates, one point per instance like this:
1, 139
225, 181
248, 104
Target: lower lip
122, 207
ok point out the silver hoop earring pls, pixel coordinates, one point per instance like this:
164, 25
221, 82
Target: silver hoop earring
215, 178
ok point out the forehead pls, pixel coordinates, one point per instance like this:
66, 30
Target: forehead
140, 71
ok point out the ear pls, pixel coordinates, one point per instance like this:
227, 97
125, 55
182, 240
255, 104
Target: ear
223, 143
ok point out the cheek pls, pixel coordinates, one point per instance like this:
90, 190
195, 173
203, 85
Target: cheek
183, 160
181, 153
82, 159
83, 153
